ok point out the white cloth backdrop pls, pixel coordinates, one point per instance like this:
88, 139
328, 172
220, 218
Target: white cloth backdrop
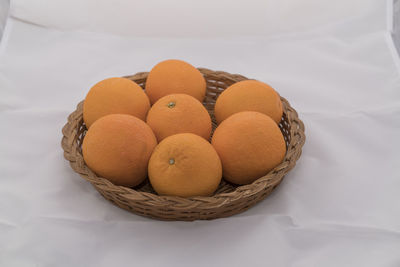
4, 7
333, 60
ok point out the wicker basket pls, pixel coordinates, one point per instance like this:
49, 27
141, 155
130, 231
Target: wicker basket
227, 200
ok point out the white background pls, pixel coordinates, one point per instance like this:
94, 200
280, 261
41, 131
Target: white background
333, 60
4, 8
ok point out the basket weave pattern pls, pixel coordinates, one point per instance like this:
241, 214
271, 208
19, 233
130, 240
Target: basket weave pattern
229, 199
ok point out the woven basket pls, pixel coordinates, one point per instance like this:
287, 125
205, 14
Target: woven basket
229, 199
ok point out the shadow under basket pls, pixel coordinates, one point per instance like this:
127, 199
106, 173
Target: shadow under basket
228, 200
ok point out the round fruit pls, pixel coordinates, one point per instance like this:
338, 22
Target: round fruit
175, 77
249, 145
248, 95
118, 147
185, 165
179, 113
113, 96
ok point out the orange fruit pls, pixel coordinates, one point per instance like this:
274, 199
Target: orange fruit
249, 144
179, 113
185, 165
175, 77
118, 147
248, 95
112, 96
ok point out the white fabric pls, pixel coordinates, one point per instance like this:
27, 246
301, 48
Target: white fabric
4, 7
333, 60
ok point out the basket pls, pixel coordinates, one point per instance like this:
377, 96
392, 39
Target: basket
228, 200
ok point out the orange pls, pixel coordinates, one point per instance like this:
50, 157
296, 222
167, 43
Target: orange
249, 145
248, 95
175, 77
115, 95
179, 113
118, 147
185, 165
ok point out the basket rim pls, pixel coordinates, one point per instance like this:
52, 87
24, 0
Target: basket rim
68, 142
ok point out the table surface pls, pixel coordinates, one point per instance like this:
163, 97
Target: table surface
333, 60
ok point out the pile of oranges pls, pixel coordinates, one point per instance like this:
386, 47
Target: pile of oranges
163, 132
